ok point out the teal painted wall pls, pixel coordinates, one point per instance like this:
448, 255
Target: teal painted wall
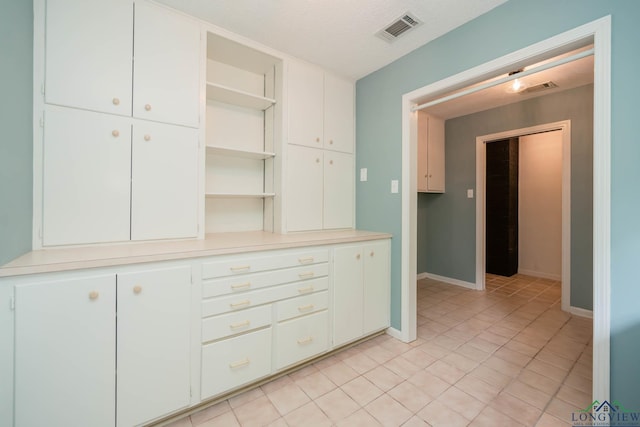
16, 112
509, 27
447, 221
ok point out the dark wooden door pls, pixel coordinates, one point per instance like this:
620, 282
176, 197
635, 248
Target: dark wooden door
502, 207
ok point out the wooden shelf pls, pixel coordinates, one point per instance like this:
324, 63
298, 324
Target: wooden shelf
240, 196
247, 154
229, 95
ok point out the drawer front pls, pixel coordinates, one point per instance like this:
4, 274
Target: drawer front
242, 264
229, 303
301, 338
246, 282
300, 306
225, 325
236, 361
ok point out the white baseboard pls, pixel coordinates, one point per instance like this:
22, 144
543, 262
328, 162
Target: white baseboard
395, 333
468, 285
581, 312
540, 274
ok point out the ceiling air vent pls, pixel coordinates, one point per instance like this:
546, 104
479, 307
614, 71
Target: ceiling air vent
540, 87
399, 27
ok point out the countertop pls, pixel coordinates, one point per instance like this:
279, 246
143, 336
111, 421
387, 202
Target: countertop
76, 258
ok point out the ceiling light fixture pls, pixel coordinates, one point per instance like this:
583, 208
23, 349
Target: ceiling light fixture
517, 85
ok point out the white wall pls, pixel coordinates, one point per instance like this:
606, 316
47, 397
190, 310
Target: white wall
540, 205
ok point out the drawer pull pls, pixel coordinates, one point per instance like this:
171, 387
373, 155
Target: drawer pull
240, 304
239, 286
305, 260
93, 295
305, 341
137, 289
306, 275
239, 363
304, 308
240, 268
240, 325
305, 290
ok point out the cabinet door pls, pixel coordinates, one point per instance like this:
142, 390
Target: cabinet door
89, 46
338, 190
166, 67
86, 177
153, 343
376, 286
164, 187
65, 353
338, 114
347, 294
305, 98
423, 169
435, 155
304, 188
6, 354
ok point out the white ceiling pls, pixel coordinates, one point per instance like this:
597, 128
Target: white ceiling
338, 35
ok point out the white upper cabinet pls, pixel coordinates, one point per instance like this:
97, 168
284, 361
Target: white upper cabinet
166, 66
87, 178
88, 54
304, 205
164, 181
321, 109
430, 153
306, 100
338, 114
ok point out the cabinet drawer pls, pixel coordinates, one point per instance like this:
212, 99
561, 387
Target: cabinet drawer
246, 282
241, 265
301, 306
230, 363
219, 305
301, 338
225, 325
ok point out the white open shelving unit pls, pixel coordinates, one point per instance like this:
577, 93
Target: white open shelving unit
242, 118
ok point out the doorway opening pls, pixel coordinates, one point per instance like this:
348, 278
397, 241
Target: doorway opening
597, 32
564, 128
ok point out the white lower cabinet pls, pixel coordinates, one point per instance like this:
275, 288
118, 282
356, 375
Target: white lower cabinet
65, 364
236, 361
153, 333
361, 288
6, 354
301, 338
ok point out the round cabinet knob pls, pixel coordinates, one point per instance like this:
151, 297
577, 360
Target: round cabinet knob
317, 160
147, 107
358, 256
331, 142
330, 162
429, 175
317, 139
147, 137
116, 101
115, 133
93, 295
137, 289
372, 253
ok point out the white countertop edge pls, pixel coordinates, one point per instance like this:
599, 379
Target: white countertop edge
78, 258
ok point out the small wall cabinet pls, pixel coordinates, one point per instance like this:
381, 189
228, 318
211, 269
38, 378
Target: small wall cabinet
361, 290
431, 139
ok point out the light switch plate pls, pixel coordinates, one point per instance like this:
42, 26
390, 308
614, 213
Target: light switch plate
470, 193
363, 174
394, 185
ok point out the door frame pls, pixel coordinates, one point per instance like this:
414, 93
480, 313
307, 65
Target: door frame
563, 126
599, 32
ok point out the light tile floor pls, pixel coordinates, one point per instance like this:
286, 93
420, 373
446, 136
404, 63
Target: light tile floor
507, 356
